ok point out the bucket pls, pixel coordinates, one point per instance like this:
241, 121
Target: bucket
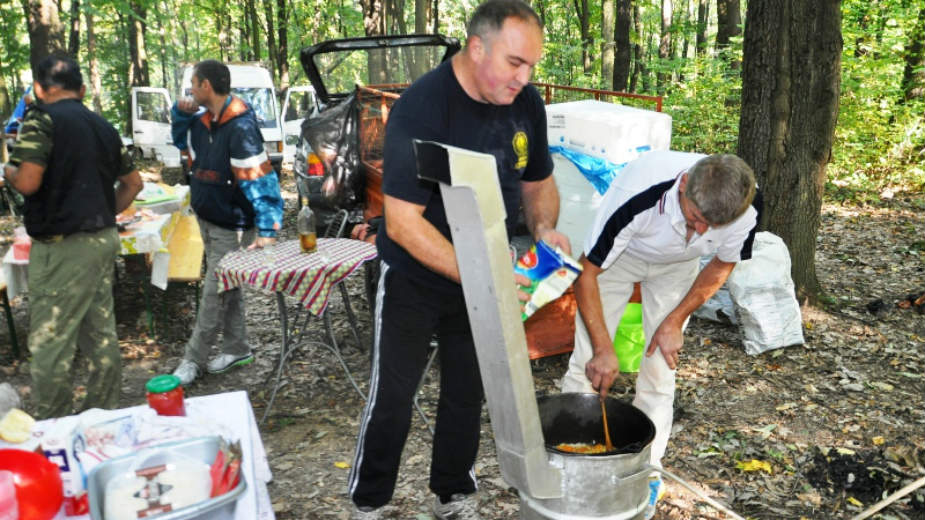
630, 339
607, 486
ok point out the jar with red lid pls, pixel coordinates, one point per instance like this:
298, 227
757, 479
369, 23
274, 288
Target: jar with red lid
165, 395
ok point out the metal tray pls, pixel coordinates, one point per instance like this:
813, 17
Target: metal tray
200, 448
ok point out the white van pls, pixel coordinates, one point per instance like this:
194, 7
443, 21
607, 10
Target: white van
300, 103
250, 82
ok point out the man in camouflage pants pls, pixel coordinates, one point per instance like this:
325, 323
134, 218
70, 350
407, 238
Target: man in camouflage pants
66, 162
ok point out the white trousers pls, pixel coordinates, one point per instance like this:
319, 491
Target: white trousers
663, 287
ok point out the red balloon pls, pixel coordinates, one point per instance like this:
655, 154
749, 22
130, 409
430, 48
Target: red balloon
38, 483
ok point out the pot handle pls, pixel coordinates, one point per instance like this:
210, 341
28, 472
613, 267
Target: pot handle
719, 506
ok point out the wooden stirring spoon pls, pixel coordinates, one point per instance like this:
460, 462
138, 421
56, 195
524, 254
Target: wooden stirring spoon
608, 445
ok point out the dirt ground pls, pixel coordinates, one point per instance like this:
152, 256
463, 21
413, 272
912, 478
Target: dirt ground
833, 426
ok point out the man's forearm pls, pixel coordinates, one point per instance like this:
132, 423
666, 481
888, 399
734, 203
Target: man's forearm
541, 205
590, 307
407, 227
128, 186
710, 279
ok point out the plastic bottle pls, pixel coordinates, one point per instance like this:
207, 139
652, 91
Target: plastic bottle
305, 224
165, 395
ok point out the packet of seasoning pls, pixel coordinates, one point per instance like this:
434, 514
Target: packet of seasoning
550, 272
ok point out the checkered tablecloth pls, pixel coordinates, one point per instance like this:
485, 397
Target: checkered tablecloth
284, 268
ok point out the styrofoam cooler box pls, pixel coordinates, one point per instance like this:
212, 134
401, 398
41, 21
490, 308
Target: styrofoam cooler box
578, 202
606, 130
599, 129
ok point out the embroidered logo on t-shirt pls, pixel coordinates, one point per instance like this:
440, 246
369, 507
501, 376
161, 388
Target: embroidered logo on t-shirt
520, 148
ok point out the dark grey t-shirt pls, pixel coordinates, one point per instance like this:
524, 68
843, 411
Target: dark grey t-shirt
436, 108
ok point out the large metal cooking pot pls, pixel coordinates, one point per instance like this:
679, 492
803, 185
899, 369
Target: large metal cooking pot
606, 486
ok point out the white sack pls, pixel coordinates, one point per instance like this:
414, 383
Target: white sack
764, 297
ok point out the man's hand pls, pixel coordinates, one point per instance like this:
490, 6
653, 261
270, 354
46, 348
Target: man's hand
668, 339
602, 370
262, 242
521, 281
554, 238
188, 105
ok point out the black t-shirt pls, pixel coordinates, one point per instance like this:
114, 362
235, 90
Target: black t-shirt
436, 108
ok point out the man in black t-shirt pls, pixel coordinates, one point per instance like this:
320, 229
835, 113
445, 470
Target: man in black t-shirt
479, 100
66, 161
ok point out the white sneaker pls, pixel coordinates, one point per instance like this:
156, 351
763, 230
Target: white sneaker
366, 513
187, 371
656, 491
460, 507
225, 362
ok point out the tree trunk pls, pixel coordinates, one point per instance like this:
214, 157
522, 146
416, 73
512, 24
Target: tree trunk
703, 18
608, 26
272, 57
96, 85
162, 32
46, 33
255, 28
621, 68
73, 41
436, 16
913, 82
790, 90
282, 55
638, 66
664, 46
373, 25
584, 28
728, 24
6, 106
139, 56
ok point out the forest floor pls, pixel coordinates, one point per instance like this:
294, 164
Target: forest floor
835, 424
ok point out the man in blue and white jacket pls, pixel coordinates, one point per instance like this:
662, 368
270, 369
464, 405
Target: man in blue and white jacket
235, 194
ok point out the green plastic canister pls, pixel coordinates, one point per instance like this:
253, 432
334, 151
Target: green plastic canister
630, 339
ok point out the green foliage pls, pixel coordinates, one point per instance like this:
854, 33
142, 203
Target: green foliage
879, 139
705, 108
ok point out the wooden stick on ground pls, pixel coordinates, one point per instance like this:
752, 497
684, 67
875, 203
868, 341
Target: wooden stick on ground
890, 499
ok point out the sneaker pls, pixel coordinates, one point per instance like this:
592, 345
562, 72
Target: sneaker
224, 362
656, 491
366, 513
187, 371
460, 507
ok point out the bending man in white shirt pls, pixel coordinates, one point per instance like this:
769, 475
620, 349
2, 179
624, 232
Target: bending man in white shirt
662, 213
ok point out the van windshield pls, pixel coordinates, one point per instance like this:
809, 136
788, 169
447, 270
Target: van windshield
261, 100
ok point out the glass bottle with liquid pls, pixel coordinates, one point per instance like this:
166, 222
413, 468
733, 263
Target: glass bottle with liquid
305, 224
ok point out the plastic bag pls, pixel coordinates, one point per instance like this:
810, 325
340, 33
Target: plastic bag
332, 135
764, 297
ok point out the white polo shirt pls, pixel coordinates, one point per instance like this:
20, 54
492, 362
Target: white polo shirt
641, 215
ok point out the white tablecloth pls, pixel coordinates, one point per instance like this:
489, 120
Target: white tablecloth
232, 416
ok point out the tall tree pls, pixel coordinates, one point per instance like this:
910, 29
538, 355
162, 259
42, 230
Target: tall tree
913, 82
373, 25
583, 8
46, 33
272, 54
608, 81
73, 41
251, 8
96, 86
638, 65
282, 56
621, 69
138, 64
664, 45
703, 17
728, 24
790, 90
